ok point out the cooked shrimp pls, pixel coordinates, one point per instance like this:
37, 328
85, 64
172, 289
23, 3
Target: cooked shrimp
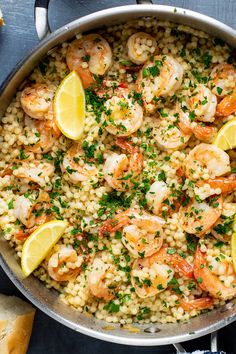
202, 303
64, 264
222, 230
140, 46
31, 214
204, 133
203, 103
97, 280
89, 56
109, 88
25, 210
142, 233
76, 171
157, 193
202, 156
123, 115
208, 281
119, 170
151, 275
161, 77
221, 266
198, 218
48, 134
227, 105
166, 255
226, 184
37, 100
171, 137
223, 79
36, 172
200, 130
22, 235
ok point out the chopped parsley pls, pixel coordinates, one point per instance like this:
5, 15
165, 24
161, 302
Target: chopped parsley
173, 281
47, 157
43, 66
143, 312
191, 243
192, 116
182, 53
162, 113
137, 97
153, 70
213, 202
88, 149
126, 62
23, 155
219, 90
86, 58
96, 103
201, 79
206, 59
171, 251
113, 200
225, 227
162, 176
219, 244
118, 235
112, 307
70, 170
11, 204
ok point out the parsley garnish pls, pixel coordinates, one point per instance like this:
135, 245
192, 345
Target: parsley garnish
111, 307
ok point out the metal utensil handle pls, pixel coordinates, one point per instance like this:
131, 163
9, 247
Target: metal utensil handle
214, 345
41, 16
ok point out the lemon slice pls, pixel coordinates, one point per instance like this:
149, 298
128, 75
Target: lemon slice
226, 137
69, 106
233, 244
39, 243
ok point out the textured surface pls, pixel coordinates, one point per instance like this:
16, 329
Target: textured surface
17, 38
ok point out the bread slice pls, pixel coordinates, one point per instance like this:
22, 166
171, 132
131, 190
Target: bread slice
16, 321
1, 18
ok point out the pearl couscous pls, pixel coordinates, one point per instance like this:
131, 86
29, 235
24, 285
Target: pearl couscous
149, 199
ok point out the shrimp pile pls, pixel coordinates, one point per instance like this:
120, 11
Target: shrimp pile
149, 198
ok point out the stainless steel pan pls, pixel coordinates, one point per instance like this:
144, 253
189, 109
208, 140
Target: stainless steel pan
32, 288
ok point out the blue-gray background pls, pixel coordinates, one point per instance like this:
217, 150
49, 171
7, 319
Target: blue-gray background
17, 38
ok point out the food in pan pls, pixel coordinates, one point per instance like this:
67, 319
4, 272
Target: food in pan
125, 135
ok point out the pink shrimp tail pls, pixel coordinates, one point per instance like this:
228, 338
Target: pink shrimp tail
196, 304
136, 159
207, 281
113, 225
226, 184
175, 260
124, 144
22, 235
227, 106
204, 133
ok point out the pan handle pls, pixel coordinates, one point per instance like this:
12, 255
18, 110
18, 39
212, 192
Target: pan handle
214, 346
41, 16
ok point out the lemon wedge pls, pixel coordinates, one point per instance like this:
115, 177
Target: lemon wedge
69, 106
39, 243
226, 137
233, 245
